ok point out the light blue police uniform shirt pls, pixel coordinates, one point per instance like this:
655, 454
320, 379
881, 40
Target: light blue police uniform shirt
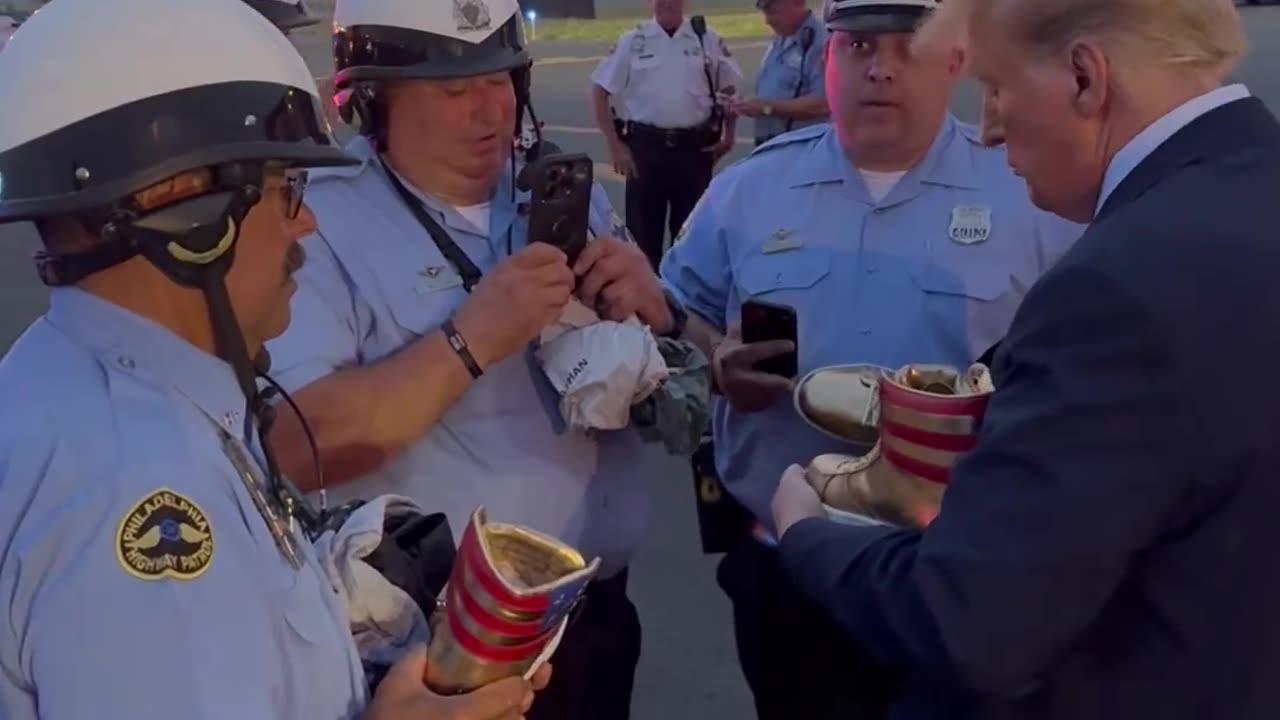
103, 408
373, 283
872, 282
789, 71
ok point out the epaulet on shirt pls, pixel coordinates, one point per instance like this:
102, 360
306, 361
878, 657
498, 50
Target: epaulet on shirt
341, 172
803, 135
973, 134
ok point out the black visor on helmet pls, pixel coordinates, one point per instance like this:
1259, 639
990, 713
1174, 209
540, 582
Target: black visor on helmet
383, 52
886, 18
286, 16
101, 159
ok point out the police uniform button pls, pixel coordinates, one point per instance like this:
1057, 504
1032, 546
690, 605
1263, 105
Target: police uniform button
126, 362
871, 269
878, 211
866, 331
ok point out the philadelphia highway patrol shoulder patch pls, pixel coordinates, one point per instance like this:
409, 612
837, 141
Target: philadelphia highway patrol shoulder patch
164, 535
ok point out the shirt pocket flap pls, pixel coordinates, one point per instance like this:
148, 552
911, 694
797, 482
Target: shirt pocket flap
783, 271
419, 295
977, 281
644, 62
305, 608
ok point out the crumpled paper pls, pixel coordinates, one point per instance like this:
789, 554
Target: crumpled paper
385, 621
600, 368
678, 413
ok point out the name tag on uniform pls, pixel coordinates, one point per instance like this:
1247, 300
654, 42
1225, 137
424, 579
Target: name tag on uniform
436, 278
781, 241
970, 224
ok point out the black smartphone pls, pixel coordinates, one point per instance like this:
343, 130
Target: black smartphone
762, 321
560, 201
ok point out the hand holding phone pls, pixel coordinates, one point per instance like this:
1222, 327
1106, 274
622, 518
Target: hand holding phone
754, 365
765, 321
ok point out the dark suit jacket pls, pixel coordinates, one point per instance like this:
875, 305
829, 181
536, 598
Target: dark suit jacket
1111, 550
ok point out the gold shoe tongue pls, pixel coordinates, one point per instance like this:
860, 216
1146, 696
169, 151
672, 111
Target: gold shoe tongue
979, 379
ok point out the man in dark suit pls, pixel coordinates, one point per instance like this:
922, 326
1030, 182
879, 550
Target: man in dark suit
1108, 549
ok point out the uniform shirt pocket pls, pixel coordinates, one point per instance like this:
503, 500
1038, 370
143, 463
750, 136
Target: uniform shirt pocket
306, 609
792, 79
419, 296
644, 63
973, 281
976, 271
783, 274
695, 64
968, 300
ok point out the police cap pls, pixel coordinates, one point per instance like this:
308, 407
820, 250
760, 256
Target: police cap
877, 16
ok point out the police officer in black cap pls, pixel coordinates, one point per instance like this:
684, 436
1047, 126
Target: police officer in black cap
797, 661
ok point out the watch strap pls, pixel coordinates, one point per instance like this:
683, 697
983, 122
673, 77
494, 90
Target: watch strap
459, 345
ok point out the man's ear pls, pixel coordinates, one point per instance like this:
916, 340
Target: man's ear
959, 60
1091, 75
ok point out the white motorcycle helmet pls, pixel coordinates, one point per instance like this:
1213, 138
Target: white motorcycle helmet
379, 40
110, 98
285, 14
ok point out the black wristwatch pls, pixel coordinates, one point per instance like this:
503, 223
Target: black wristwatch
459, 345
679, 316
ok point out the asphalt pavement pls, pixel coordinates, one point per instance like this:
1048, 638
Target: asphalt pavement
688, 670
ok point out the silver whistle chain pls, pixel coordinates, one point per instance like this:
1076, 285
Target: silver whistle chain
281, 528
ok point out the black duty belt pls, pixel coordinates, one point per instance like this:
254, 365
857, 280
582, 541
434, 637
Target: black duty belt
671, 137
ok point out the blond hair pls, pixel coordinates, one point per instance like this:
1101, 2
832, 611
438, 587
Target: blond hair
1196, 33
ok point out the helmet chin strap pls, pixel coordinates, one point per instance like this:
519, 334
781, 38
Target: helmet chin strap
228, 337
231, 346
200, 257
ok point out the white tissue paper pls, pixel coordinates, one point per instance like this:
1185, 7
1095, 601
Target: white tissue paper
600, 367
385, 622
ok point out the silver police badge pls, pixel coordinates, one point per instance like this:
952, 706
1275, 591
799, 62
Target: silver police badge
471, 15
970, 224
